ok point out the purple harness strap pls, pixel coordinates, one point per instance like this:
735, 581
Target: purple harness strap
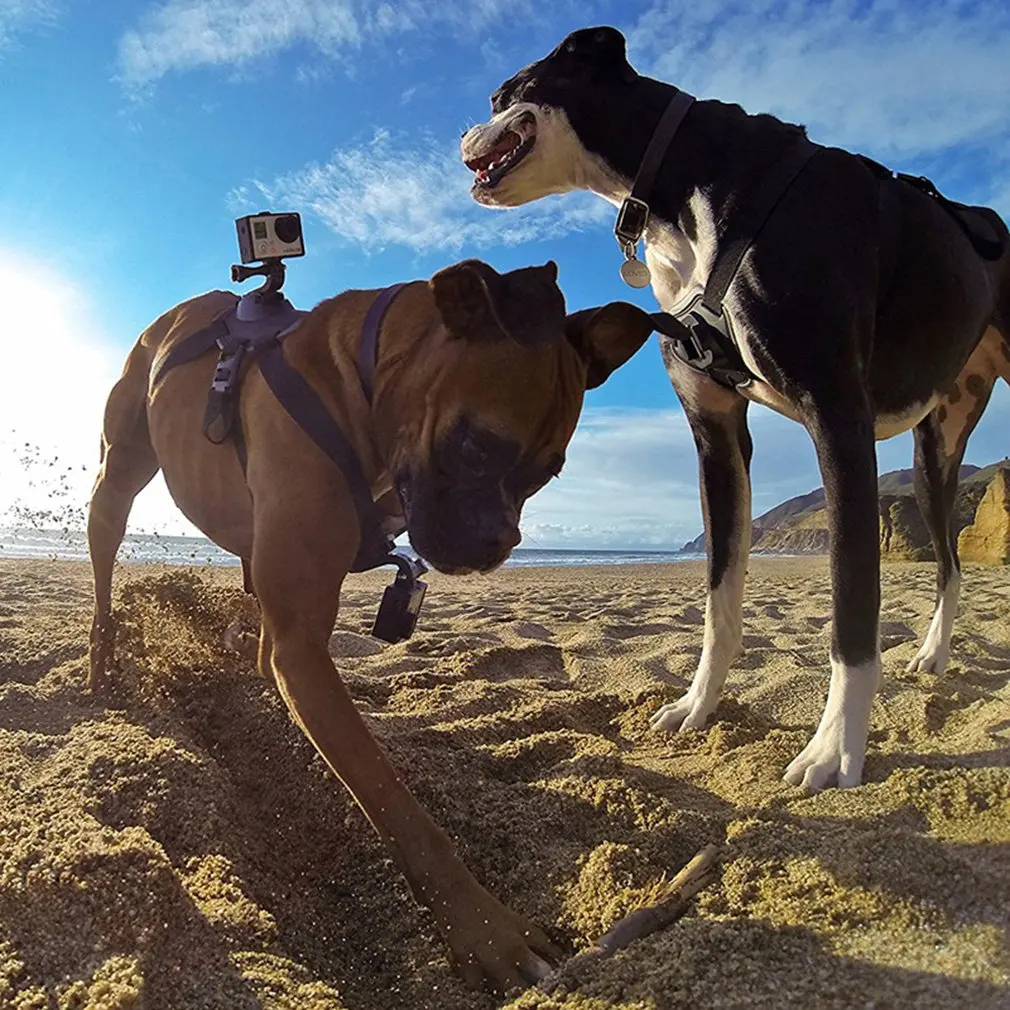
368, 345
308, 411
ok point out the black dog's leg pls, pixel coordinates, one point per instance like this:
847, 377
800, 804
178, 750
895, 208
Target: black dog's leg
842, 429
936, 478
724, 453
940, 441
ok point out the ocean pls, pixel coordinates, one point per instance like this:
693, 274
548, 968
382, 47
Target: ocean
140, 548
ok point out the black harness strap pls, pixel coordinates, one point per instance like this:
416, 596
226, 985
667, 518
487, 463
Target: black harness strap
890, 229
987, 248
746, 227
700, 332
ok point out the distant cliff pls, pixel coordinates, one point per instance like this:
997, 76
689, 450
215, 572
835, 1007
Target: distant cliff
799, 525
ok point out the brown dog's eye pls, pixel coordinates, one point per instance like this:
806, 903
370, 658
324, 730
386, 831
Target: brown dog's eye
473, 456
527, 481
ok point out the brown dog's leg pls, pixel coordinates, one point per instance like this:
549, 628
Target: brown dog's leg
128, 464
264, 661
297, 570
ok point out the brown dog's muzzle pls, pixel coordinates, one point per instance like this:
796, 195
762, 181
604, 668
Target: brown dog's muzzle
459, 530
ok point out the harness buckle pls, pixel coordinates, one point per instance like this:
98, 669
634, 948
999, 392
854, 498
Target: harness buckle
691, 351
632, 219
227, 369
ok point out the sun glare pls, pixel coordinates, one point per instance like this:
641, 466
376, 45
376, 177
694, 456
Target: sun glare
57, 371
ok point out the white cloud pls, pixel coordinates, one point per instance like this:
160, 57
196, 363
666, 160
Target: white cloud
184, 34
415, 193
18, 15
897, 79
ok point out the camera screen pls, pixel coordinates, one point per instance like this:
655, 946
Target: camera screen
259, 229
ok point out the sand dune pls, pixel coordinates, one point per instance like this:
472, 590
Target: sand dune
179, 844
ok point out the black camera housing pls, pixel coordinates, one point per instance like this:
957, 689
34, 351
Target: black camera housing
399, 610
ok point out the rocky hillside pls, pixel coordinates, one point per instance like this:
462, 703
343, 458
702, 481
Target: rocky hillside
799, 525
987, 539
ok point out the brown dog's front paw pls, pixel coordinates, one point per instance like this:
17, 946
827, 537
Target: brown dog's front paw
499, 949
244, 643
101, 651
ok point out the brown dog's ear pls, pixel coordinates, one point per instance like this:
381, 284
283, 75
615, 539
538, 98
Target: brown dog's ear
465, 296
477, 303
607, 337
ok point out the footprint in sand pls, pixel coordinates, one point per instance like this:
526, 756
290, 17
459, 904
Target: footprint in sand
894, 633
530, 629
637, 630
348, 645
690, 615
536, 662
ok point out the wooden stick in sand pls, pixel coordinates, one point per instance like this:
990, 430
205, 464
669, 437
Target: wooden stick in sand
671, 901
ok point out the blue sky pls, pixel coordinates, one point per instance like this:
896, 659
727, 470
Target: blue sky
134, 133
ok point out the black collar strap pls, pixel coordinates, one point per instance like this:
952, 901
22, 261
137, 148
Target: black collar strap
633, 216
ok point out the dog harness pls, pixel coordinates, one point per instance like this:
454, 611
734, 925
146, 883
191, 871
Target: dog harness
260, 339
700, 334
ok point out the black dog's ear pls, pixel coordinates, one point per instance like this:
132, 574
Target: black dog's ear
607, 336
477, 303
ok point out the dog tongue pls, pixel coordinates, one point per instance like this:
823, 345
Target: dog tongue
507, 142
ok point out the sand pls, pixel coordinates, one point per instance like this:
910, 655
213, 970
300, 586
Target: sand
179, 844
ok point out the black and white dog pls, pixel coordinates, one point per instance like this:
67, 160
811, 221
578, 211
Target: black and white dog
861, 310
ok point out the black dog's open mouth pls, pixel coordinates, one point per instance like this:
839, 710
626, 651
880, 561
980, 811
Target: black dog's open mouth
509, 149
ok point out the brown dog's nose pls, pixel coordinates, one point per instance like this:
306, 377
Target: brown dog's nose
496, 535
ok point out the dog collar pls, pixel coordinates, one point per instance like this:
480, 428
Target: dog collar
633, 216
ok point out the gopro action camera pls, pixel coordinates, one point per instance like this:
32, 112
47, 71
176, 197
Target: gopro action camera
267, 236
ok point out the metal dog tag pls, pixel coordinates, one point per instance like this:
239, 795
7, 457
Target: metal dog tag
635, 273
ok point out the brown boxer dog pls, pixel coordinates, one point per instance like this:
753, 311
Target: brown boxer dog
477, 388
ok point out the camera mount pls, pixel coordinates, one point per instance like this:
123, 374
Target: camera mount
267, 298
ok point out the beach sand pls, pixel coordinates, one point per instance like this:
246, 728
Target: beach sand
179, 844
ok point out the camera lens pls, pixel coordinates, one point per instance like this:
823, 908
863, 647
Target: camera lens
287, 228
